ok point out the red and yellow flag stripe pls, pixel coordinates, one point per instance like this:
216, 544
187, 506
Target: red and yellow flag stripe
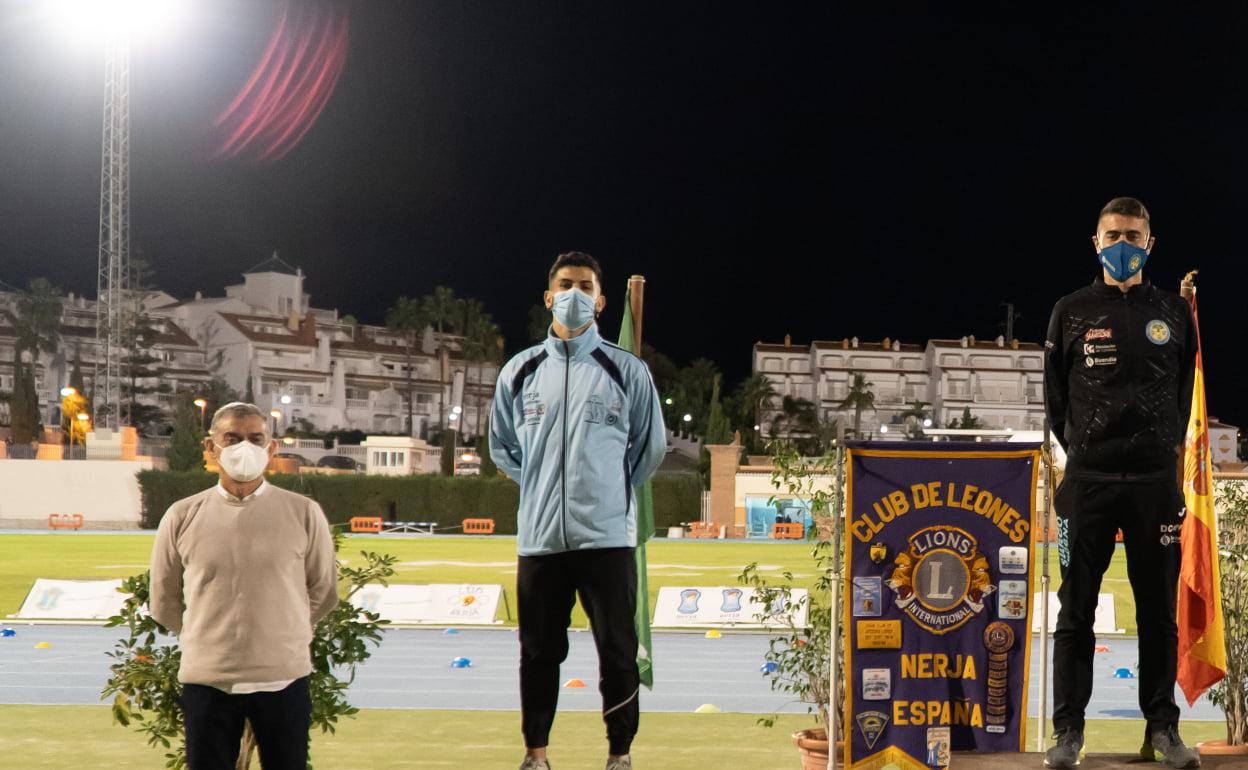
1202, 649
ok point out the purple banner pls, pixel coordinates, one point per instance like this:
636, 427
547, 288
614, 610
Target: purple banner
940, 548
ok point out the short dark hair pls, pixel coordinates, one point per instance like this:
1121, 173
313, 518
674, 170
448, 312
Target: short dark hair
1127, 207
575, 259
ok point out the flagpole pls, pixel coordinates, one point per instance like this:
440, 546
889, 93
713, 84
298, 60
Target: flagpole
636, 299
1047, 458
834, 636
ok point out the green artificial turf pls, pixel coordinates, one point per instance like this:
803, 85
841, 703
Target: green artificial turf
42, 737
456, 560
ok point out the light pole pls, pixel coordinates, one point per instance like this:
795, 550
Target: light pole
202, 404
277, 417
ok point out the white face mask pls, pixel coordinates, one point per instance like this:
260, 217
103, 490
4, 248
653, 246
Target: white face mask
244, 461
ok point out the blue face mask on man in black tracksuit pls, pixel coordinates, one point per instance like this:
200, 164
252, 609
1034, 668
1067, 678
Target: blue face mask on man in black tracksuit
577, 423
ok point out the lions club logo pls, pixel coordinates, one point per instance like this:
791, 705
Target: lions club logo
942, 579
1158, 332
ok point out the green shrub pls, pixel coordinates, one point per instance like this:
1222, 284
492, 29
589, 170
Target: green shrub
447, 500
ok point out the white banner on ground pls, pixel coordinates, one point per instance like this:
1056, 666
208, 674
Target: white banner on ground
1105, 622
717, 606
72, 600
439, 604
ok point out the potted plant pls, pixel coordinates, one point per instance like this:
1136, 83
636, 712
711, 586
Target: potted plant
1231, 694
144, 682
798, 659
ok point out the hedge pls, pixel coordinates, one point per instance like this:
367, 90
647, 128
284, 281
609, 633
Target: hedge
447, 500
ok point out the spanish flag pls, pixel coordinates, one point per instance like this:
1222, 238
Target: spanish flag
1202, 650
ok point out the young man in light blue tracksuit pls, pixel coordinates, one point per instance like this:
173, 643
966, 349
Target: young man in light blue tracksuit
576, 422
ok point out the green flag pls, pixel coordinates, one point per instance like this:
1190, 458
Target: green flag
645, 531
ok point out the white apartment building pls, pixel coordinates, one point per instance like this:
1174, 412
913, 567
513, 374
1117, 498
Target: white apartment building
304, 363
1001, 384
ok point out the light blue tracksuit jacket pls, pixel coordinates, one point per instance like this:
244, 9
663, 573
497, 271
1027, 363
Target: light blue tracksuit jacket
576, 423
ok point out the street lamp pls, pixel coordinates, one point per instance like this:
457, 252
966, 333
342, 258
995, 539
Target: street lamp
688, 417
667, 401
202, 404
285, 399
927, 423
68, 391
277, 416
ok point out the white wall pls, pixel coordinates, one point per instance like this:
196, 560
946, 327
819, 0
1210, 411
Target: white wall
105, 492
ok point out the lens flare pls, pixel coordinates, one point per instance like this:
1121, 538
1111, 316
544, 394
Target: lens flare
290, 87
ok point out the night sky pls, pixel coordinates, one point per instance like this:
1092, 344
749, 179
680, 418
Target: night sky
772, 168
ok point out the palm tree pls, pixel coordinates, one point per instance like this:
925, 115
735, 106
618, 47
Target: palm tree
796, 415
693, 391
482, 345
37, 326
38, 321
408, 318
860, 398
443, 313
914, 417
753, 394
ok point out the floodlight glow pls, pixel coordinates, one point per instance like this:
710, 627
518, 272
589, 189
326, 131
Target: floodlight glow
285, 399
456, 409
83, 20
883, 429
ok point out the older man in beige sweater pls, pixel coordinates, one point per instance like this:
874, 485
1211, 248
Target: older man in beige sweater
242, 573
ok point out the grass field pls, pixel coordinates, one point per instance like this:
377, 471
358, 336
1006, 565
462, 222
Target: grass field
450, 560
381, 740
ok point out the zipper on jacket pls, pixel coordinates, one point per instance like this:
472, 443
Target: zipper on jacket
1129, 360
563, 460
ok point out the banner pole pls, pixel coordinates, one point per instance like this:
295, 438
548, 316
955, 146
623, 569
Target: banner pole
1046, 455
838, 529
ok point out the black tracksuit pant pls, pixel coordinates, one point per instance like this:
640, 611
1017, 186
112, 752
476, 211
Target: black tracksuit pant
546, 590
1089, 516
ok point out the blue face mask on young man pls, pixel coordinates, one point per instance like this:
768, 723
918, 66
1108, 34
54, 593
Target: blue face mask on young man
573, 308
1122, 260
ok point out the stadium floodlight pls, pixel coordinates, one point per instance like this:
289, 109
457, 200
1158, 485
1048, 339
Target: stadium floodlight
85, 20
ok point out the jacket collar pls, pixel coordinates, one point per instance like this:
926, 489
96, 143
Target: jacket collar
577, 347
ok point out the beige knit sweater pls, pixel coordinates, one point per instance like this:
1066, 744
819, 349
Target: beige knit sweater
243, 583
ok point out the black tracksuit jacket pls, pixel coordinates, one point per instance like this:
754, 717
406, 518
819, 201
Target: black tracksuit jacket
1118, 380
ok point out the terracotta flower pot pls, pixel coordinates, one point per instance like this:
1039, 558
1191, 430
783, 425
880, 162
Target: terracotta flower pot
813, 744
1221, 748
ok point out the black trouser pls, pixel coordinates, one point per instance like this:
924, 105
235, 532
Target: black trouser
1089, 516
546, 589
214, 726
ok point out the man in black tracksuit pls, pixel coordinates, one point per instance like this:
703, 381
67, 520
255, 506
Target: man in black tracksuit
1120, 358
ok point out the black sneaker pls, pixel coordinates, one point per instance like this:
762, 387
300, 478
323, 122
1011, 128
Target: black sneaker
1166, 746
1066, 754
